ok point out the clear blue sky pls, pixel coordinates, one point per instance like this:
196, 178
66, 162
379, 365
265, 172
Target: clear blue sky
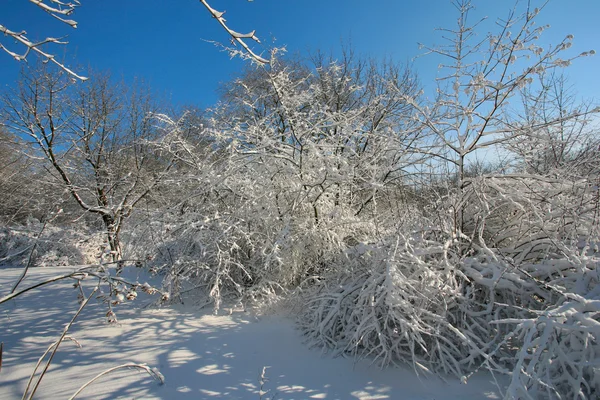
162, 41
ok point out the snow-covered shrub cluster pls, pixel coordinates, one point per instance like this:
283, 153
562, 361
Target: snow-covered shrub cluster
48, 245
296, 166
396, 301
517, 295
341, 186
338, 186
559, 351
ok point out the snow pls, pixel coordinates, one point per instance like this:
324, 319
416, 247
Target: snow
202, 356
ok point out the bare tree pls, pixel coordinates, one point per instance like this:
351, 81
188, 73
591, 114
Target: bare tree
567, 148
477, 79
94, 139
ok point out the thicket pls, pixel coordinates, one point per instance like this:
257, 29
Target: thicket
341, 186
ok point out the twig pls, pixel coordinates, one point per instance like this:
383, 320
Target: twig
52, 346
238, 37
153, 372
58, 11
46, 282
58, 342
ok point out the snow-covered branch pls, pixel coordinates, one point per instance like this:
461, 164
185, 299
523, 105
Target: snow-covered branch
56, 9
236, 36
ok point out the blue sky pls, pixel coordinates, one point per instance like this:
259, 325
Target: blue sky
164, 43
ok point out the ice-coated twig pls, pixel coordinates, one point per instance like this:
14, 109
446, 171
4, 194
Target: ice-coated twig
55, 346
56, 9
153, 372
236, 36
48, 350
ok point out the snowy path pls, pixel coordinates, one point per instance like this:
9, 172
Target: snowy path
201, 356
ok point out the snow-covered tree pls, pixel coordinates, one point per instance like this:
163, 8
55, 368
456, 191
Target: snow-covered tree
479, 79
304, 162
495, 263
92, 138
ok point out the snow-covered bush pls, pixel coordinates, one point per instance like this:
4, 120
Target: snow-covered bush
558, 357
395, 301
295, 166
229, 252
490, 297
49, 246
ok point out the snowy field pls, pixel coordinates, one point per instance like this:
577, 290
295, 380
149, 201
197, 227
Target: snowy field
202, 356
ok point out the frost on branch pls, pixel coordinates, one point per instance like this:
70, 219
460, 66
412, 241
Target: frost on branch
481, 278
285, 173
560, 351
236, 37
517, 293
57, 9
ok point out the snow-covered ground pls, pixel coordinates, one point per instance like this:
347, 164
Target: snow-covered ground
202, 356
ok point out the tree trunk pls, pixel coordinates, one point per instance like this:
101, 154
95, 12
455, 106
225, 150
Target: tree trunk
112, 234
459, 223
